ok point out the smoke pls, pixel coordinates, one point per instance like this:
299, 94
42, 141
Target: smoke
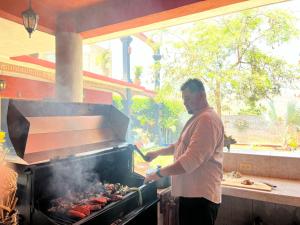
72, 176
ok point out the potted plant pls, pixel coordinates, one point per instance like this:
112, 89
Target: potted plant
138, 70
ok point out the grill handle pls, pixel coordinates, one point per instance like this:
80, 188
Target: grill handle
141, 154
139, 193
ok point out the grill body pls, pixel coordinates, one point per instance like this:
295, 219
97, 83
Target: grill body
63, 146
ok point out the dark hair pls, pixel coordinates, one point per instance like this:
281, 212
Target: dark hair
194, 85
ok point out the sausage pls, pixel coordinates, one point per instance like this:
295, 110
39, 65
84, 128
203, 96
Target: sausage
76, 214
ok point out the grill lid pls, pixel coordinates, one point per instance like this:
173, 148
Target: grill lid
40, 131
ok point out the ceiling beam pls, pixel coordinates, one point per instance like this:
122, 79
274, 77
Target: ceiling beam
109, 17
93, 18
187, 14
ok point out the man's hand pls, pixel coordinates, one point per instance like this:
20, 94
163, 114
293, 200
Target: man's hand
151, 155
151, 177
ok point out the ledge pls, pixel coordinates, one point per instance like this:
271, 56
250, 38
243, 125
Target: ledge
286, 193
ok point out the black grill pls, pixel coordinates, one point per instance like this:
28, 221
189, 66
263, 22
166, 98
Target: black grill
45, 174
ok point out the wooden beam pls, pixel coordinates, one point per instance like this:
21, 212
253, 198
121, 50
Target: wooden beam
203, 10
112, 18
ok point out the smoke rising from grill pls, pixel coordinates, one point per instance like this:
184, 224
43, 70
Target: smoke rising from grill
72, 176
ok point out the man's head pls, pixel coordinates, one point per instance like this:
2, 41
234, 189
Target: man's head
193, 95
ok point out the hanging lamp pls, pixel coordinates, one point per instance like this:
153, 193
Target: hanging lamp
30, 19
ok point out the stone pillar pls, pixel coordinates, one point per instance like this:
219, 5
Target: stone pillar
126, 58
69, 77
126, 76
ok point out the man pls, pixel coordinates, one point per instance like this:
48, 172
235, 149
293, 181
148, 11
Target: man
198, 160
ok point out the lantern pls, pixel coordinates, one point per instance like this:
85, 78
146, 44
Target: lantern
30, 19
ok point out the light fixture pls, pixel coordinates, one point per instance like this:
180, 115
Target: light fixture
2, 85
30, 19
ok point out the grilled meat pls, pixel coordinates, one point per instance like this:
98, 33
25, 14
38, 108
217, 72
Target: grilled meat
81, 204
76, 214
247, 182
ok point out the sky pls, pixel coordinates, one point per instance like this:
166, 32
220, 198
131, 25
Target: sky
291, 51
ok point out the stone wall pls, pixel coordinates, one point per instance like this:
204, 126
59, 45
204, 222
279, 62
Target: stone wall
239, 211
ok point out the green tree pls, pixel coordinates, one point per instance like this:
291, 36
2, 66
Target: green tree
142, 110
233, 56
143, 114
291, 121
170, 110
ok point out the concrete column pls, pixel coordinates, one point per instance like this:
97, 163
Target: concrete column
126, 76
69, 77
126, 58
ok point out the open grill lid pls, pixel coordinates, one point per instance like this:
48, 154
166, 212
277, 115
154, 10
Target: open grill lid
40, 131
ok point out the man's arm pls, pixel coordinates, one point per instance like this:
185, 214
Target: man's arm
173, 169
166, 151
163, 151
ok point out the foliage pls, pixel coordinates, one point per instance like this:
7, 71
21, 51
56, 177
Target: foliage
291, 122
3, 149
2, 136
291, 117
143, 116
292, 114
292, 125
252, 110
169, 117
233, 56
144, 113
117, 102
170, 110
138, 70
142, 109
104, 61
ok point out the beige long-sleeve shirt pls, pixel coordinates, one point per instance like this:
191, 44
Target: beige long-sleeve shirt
200, 152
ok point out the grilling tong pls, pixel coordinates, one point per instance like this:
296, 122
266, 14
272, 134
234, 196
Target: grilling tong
141, 154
